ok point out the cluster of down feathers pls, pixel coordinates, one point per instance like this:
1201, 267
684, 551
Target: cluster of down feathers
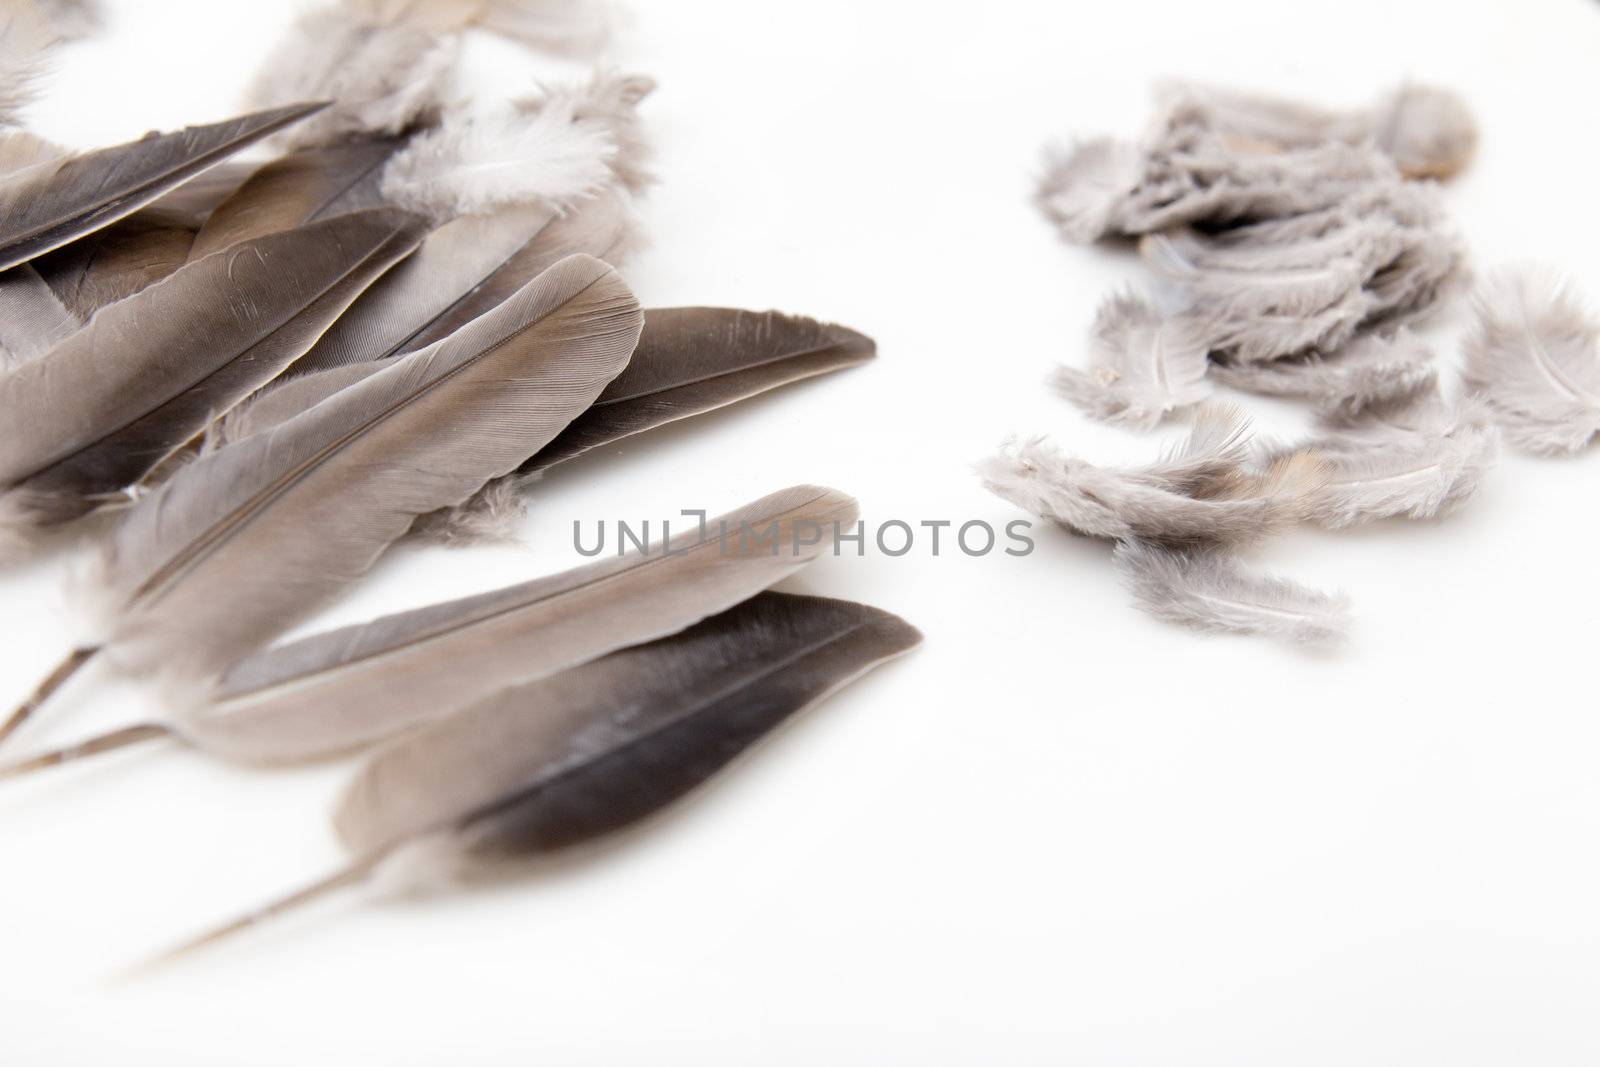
262, 376
1294, 251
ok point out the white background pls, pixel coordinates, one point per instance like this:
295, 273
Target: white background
1060, 832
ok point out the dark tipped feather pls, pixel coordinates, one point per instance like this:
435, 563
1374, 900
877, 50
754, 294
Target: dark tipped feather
47, 205
147, 374
596, 749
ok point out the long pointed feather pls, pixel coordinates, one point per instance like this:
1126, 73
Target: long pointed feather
45, 206
335, 691
596, 749
1534, 355
147, 375
1207, 589
243, 542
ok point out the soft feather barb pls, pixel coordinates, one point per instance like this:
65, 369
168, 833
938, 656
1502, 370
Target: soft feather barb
1534, 355
1208, 589
1206, 492
1371, 371
594, 750
25, 41
1144, 366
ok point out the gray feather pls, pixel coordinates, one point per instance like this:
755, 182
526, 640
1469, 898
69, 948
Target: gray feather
243, 542
33, 319
25, 41
1533, 356
1143, 366
1206, 492
336, 691
1207, 589
595, 749
44, 206
1084, 188
1370, 371
145, 376
118, 261
1415, 460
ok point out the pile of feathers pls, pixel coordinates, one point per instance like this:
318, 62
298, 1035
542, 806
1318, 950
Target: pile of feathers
241, 382
1294, 250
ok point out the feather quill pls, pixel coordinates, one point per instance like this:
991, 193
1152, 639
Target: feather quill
596, 749
46, 205
1534, 355
1143, 366
334, 692
241, 543
146, 376
1207, 589
1205, 492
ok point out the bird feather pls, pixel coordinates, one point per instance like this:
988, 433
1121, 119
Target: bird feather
1143, 366
46, 205
241, 543
1206, 492
565, 760
33, 319
1370, 371
25, 42
118, 261
1533, 356
146, 375
1208, 589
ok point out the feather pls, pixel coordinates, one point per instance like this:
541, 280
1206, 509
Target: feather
1372, 370
385, 76
25, 41
1532, 355
689, 361
464, 269
51, 203
32, 318
1084, 188
301, 187
1207, 589
593, 750
116, 262
146, 376
1415, 460
1203, 493
334, 692
1143, 366
240, 544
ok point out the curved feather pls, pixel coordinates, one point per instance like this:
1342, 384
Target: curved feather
599, 747
1534, 355
338, 690
1143, 366
1371, 371
147, 374
243, 542
1207, 589
302, 187
47, 205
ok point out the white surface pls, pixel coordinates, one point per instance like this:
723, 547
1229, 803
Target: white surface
1059, 833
